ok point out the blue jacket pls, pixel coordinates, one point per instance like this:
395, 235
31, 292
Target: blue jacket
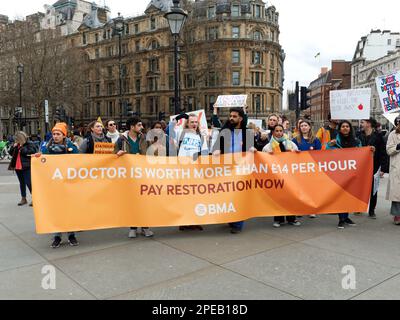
306, 146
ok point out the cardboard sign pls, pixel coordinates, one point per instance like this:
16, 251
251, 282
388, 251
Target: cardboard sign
352, 104
389, 92
257, 122
236, 101
103, 148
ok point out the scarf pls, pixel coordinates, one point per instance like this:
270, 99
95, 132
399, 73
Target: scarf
276, 145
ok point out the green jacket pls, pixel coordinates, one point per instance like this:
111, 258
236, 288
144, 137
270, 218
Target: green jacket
123, 144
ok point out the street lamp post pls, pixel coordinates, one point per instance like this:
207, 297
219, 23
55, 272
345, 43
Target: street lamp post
119, 27
176, 19
20, 69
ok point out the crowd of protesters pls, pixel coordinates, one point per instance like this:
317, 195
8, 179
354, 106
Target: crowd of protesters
233, 136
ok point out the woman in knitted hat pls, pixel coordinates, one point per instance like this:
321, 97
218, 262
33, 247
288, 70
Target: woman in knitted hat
59, 144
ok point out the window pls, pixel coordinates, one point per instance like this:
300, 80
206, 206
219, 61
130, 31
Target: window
389, 42
235, 32
137, 103
211, 79
97, 53
190, 103
154, 45
97, 90
110, 71
124, 70
272, 76
153, 65
137, 67
189, 81
211, 12
84, 40
126, 28
111, 108
136, 28
257, 11
124, 48
257, 57
257, 79
110, 51
170, 63
137, 45
153, 84
212, 101
97, 74
98, 109
137, 85
96, 37
152, 23
110, 88
236, 78
212, 33
171, 101
171, 82
211, 56
109, 34
257, 35
235, 56
235, 12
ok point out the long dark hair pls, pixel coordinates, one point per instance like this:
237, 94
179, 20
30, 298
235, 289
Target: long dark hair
350, 141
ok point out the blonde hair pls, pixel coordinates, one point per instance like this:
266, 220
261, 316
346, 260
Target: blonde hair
187, 123
21, 137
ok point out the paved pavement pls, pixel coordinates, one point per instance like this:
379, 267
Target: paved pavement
262, 263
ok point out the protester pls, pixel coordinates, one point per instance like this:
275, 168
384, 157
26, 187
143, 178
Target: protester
393, 191
278, 144
133, 142
328, 133
112, 131
344, 139
286, 127
95, 134
77, 139
21, 153
157, 140
59, 144
235, 132
191, 143
369, 137
306, 141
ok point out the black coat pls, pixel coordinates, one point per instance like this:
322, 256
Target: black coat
27, 150
380, 155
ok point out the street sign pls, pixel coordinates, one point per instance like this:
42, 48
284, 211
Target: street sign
46, 110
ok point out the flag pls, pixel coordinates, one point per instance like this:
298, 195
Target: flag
317, 55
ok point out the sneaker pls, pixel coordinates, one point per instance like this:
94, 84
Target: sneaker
236, 230
72, 241
132, 234
22, 202
31, 204
397, 221
276, 225
341, 225
295, 223
349, 222
313, 216
372, 216
147, 233
56, 243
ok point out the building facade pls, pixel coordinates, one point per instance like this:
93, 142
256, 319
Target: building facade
226, 47
376, 55
337, 78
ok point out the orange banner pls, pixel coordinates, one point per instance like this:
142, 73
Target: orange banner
90, 192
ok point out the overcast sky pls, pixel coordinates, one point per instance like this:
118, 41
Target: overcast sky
307, 28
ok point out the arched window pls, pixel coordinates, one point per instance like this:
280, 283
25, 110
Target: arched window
154, 45
257, 35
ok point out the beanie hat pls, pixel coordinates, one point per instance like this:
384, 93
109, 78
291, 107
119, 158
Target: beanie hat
62, 127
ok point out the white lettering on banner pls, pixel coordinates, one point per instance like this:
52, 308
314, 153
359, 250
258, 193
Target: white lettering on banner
202, 210
345, 165
57, 175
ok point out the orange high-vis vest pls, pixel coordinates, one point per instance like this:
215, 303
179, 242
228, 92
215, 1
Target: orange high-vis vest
324, 136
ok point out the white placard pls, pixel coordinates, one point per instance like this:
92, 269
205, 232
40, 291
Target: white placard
352, 104
391, 117
236, 101
389, 92
257, 122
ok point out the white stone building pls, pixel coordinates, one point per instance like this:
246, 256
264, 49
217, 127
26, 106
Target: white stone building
376, 54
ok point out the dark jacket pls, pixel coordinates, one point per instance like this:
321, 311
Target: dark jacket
27, 150
380, 156
65, 148
123, 144
87, 146
220, 144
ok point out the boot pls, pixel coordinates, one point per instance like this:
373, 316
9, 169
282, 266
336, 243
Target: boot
23, 202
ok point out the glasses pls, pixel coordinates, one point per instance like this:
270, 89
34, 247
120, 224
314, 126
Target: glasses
111, 124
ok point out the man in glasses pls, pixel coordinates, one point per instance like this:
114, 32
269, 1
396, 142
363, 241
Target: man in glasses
112, 131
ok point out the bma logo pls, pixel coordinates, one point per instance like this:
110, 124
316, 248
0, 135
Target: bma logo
202, 210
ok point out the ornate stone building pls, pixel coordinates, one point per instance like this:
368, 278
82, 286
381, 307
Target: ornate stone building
226, 47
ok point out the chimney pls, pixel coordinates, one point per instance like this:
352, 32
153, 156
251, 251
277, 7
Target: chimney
324, 70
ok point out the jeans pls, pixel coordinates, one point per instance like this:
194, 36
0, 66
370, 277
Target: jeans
237, 225
290, 219
60, 234
343, 216
24, 178
374, 199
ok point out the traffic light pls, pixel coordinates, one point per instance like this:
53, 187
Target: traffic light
161, 116
292, 102
305, 98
